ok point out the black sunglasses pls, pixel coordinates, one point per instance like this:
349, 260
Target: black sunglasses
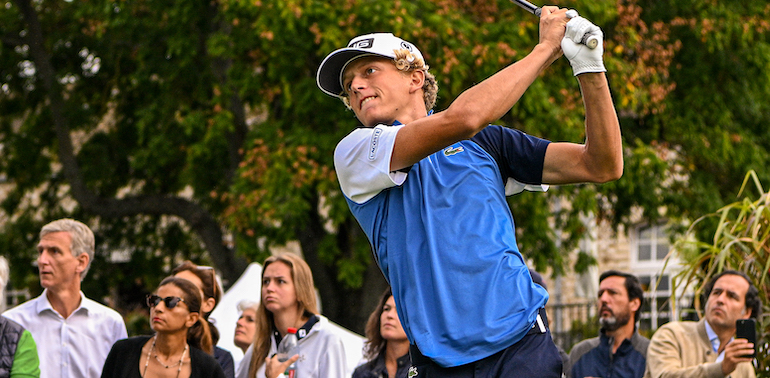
171, 302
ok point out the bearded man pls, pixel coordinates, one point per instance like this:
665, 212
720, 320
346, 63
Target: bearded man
619, 351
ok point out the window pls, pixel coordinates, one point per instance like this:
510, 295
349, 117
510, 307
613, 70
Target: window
656, 309
649, 248
652, 244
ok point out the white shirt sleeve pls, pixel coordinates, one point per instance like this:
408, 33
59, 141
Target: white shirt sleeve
514, 187
335, 363
362, 162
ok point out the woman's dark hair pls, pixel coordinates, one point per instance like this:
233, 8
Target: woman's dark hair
211, 289
752, 296
375, 344
198, 336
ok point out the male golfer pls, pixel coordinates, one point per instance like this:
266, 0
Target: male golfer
429, 191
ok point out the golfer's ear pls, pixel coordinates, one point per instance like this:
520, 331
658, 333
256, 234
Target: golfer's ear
417, 80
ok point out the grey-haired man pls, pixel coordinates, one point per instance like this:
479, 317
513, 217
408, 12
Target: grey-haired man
74, 334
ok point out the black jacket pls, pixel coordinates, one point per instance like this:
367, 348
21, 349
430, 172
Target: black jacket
376, 367
125, 355
594, 358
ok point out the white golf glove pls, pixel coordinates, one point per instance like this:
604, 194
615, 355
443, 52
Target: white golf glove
582, 58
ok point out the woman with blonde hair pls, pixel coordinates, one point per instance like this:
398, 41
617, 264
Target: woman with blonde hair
288, 301
176, 349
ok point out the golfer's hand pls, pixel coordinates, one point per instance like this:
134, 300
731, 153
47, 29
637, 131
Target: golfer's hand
274, 369
582, 58
552, 21
734, 352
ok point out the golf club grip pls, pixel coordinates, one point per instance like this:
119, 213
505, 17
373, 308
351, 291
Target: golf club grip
588, 40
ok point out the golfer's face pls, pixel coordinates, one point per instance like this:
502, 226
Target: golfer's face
377, 91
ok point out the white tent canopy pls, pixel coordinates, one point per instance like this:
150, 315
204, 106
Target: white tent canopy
249, 286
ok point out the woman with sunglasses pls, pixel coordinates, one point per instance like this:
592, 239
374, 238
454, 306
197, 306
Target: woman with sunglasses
387, 347
205, 279
174, 314
288, 301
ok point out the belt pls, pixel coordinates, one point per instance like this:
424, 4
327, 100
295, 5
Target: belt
539, 327
541, 323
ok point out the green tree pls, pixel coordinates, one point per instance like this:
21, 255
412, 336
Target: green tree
118, 109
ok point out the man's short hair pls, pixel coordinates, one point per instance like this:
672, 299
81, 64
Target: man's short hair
752, 295
633, 288
82, 238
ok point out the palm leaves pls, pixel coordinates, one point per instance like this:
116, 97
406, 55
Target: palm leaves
737, 236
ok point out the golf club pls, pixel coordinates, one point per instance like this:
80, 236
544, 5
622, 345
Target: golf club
587, 40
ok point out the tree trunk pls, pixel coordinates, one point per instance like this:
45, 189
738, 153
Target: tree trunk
202, 222
348, 307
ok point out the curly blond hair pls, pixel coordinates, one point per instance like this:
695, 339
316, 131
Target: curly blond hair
406, 62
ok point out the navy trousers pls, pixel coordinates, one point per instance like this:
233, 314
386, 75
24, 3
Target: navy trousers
534, 356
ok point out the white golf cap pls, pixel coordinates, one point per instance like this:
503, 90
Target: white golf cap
330, 72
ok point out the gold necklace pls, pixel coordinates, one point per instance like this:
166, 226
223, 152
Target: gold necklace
152, 349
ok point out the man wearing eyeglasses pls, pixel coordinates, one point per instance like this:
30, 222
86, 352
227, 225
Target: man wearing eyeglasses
74, 334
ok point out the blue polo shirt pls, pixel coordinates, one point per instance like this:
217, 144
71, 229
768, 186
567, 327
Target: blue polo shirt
444, 237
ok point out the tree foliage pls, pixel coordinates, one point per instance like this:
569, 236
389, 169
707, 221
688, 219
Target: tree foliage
195, 129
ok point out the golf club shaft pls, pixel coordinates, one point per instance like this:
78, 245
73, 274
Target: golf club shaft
529, 7
589, 41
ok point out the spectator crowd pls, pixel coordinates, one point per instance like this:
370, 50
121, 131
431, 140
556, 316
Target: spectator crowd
63, 333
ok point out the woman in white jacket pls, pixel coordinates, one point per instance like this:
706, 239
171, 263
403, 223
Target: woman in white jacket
288, 301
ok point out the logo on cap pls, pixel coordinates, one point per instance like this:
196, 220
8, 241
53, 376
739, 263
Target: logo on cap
363, 44
406, 45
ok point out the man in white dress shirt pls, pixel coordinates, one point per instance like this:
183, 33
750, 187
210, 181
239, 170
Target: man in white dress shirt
74, 334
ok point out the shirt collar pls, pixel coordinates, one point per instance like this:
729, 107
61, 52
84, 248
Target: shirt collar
713, 337
378, 364
301, 332
397, 123
44, 304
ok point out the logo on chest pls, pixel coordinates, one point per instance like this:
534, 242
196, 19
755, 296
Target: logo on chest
449, 151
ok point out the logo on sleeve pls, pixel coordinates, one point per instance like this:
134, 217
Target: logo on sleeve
374, 142
449, 151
